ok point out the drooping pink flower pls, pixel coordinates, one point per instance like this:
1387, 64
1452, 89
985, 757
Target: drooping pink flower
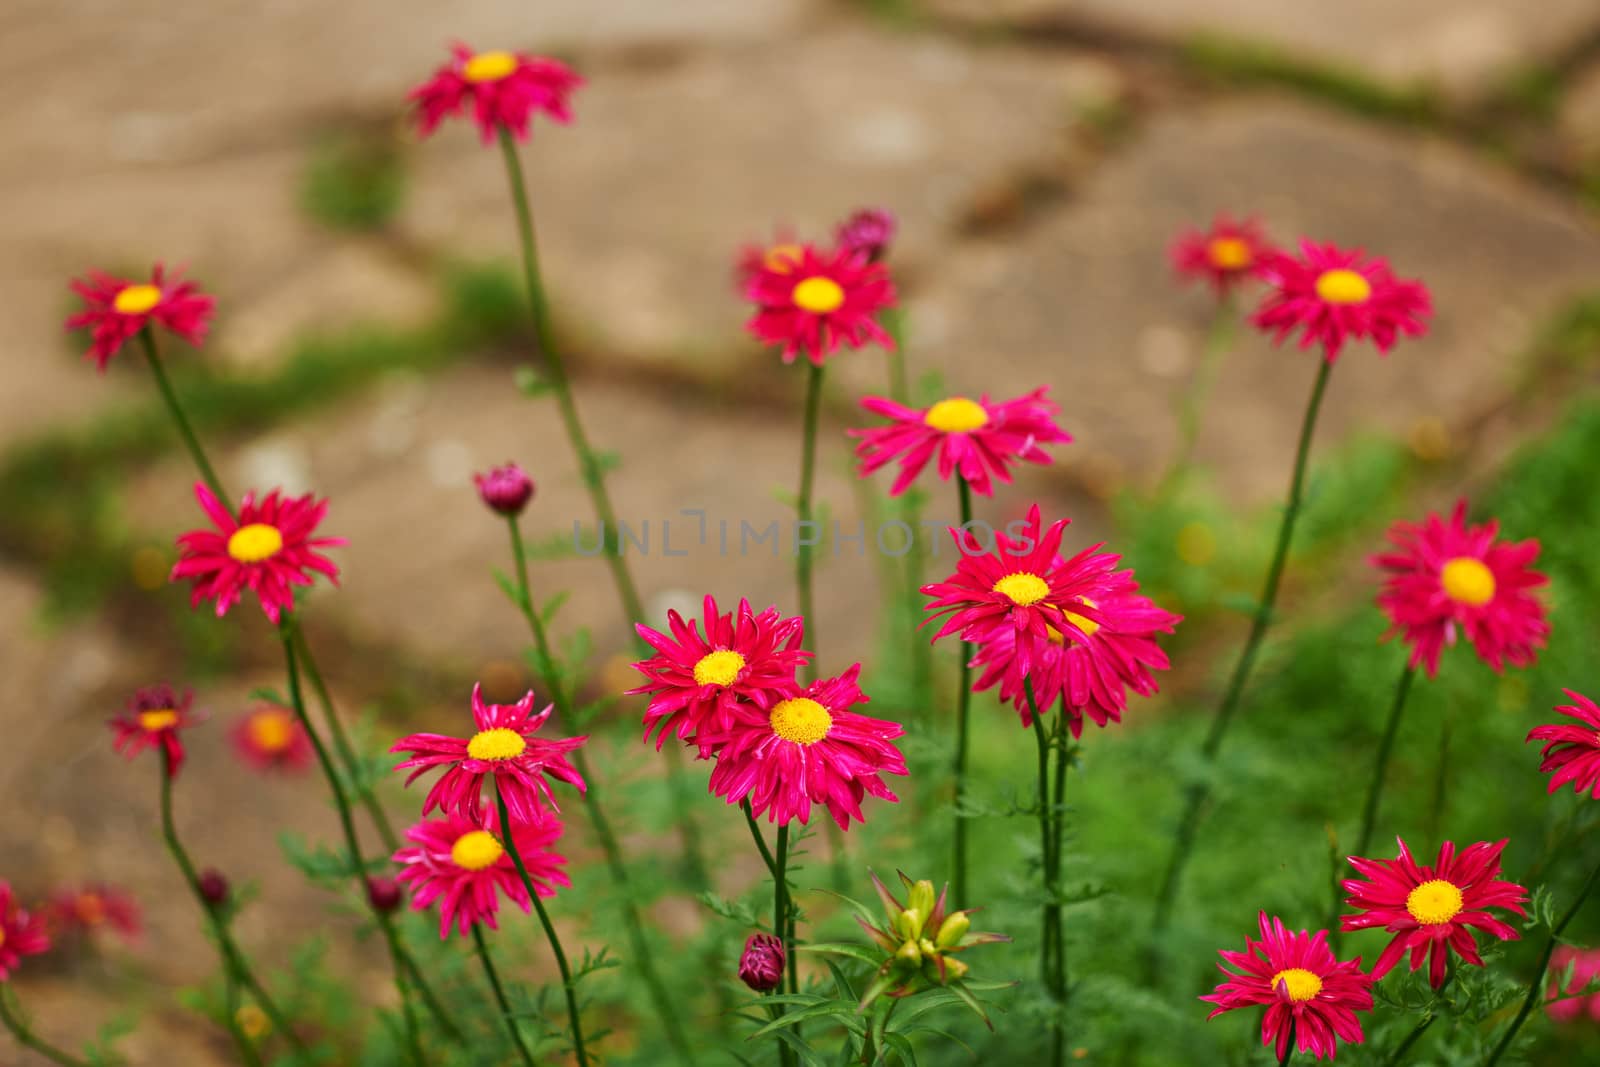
869, 230
1304, 988
268, 550
1226, 255
809, 748
151, 719
92, 907
1445, 576
970, 437
812, 302
116, 310
502, 89
269, 738
463, 866
1430, 909
505, 490
21, 934
504, 748
1334, 295
761, 964
1585, 964
1572, 753
695, 682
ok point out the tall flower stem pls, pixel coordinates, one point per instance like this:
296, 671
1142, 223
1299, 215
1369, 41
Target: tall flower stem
12, 1018
1192, 405
1052, 956
782, 924
963, 706
566, 715
894, 320
500, 995
803, 558
1196, 794
233, 960
592, 471
1288, 1048
567, 985
1398, 1056
1541, 971
175, 409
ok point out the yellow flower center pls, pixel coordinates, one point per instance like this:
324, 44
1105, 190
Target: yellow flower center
956, 414
90, 908
1023, 588
497, 744
718, 668
489, 67
475, 850
1229, 253
255, 542
1434, 902
1299, 983
801, 720
1467, 581
782, 258
817, 295
271, 731
1088, 626
253, 1022
1343, 287
158, 719
136, 299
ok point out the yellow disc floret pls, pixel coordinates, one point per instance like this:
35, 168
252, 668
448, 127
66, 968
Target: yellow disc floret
497, 744
1343, 287
489, 67
801, 720
272, 730
475, 850
1434, 902
1229, 253
254, 543
782, 258
1467, 581
1299, 983
956, 414
817, 295
158, 719
718, 668
1023, 588
136, 299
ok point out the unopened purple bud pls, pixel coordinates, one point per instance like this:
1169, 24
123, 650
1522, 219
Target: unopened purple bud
383, 893
869, 230
506, 490
214, 887
761, 966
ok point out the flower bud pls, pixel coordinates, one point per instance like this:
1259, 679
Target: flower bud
214, 887
383, 893
954, 969
869, 230
761, 966
922, 898
909, 953
908, 924
953, 930
506, 490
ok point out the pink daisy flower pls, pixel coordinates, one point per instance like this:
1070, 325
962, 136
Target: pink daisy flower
696, 682
1021, 587
270, 738
1585, 964
812, 302
1335, 295
503, 89
152, 718
1305, 990
268, 550
1226, 255
1430, 909
1572, 753
1446, 576
970, 438
1090, 676
92, 907
21, 934
809, 748
463, 866
116, 310
504, 748
869, 230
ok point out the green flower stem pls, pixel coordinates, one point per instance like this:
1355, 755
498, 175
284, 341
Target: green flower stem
230, 1001
1192, 404
782, 925
1399, 1055
500, 995
12, 1018
186, 431
1195, 795
1053, 957
803, 504
566, 715
963, 706
1541, 971
1288, 1048
234, 962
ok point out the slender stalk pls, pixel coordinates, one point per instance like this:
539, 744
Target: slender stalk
1288, 1048
1052, 958
26, 1037
1441, 780
963, 707
780, 924
1219, 339
1196, 794
500, 995
761, 844
1046, 845
803, 501
1541, 971
567, 985
190, 441
1398, 1056
1058, 806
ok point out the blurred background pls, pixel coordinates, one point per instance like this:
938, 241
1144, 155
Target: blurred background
1040, 155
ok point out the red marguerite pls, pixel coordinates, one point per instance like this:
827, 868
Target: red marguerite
970, 437
92, 907
1334, 295
463, 866
812, 301
1226, 255
1430, 909
269, 549
1445, 576
270, 738
1572, 753
503, 90
152, 718
809, 748
21, 934
116, 310
1306, 991
504, 748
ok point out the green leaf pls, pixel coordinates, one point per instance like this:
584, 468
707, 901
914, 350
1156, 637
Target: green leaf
845, 948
